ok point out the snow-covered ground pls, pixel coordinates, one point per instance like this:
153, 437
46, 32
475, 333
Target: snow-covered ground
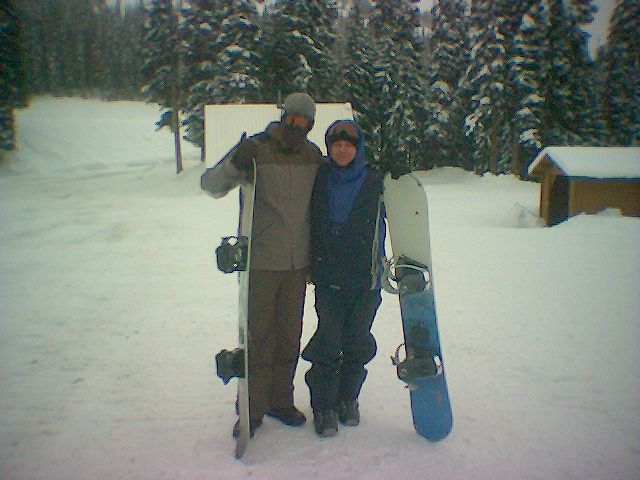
111, 310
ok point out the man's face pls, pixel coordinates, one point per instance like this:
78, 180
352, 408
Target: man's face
296, 121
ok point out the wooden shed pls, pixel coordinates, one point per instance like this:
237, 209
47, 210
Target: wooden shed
587, 179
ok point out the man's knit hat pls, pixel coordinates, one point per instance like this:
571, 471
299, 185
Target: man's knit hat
300, 104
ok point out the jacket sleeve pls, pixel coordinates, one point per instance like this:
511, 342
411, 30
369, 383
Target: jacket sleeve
222, 177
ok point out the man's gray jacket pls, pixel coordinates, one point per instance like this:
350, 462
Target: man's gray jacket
281, 212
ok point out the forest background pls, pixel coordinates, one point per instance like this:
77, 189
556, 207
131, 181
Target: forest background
479, 84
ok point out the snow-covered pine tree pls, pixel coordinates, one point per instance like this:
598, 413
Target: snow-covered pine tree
299, 55
398, 103
523, 28
323, 85
132, 33
118, 33
238, 62
621, 93
200, 31
280, 58
160, 54
358, 70
10, 69
525, 73
568, 93
445, 143
109, 47
161, 66
591, 128
485, 81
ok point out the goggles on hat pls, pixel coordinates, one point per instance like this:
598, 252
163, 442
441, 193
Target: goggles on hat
296, 121
344, 131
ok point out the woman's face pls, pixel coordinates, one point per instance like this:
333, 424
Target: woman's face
342, 152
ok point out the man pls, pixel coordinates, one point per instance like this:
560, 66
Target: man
286, 164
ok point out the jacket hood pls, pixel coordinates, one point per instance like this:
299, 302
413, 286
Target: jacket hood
343, 183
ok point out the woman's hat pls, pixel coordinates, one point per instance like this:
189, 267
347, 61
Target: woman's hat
343, 130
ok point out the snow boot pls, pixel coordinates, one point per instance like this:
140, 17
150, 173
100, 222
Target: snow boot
288, 415
348, 413
326, 423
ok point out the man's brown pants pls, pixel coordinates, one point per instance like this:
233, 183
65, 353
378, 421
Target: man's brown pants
276, 302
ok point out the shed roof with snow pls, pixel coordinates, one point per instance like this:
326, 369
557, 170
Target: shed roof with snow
591, 162
225, 123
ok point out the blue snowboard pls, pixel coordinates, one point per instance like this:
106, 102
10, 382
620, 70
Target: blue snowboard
423, 367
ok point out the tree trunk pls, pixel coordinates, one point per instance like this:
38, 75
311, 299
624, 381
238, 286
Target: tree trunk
175, 104
176, 121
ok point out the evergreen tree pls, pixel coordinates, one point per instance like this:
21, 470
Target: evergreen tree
444, 140
526, 78
299, 56
485, 79
523, 26
621, 94
358, 69
398, 110
201, 28
161, 67
81, 47
238, 63
12, 87
322, 16
132, 34
568, 93
160, 53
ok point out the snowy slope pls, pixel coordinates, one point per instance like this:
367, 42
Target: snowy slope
111, 310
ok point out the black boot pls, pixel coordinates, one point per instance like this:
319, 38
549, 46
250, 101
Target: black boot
349, 413
288, 415
326, 423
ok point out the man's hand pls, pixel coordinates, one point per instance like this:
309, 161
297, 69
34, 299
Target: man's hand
244, 154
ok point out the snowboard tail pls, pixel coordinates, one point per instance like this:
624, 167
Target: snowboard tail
430, 405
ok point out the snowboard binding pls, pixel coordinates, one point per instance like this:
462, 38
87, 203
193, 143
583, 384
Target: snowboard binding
417, 365
409, 276
230, 364
232, 254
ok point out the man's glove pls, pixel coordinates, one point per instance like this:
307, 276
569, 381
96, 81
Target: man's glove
244, 154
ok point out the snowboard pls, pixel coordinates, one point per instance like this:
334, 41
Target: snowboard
422, 368
234, 255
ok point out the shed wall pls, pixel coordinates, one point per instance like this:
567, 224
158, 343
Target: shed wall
593, 196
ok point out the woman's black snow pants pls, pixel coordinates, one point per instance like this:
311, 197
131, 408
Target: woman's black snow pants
342, 345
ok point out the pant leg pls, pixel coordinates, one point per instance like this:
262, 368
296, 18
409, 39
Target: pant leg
288, 330
359, 346
324, 350
263, 287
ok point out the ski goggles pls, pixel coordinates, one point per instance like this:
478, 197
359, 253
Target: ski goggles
343, 131
296, 121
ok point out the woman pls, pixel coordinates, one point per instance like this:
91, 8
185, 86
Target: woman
347, 241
